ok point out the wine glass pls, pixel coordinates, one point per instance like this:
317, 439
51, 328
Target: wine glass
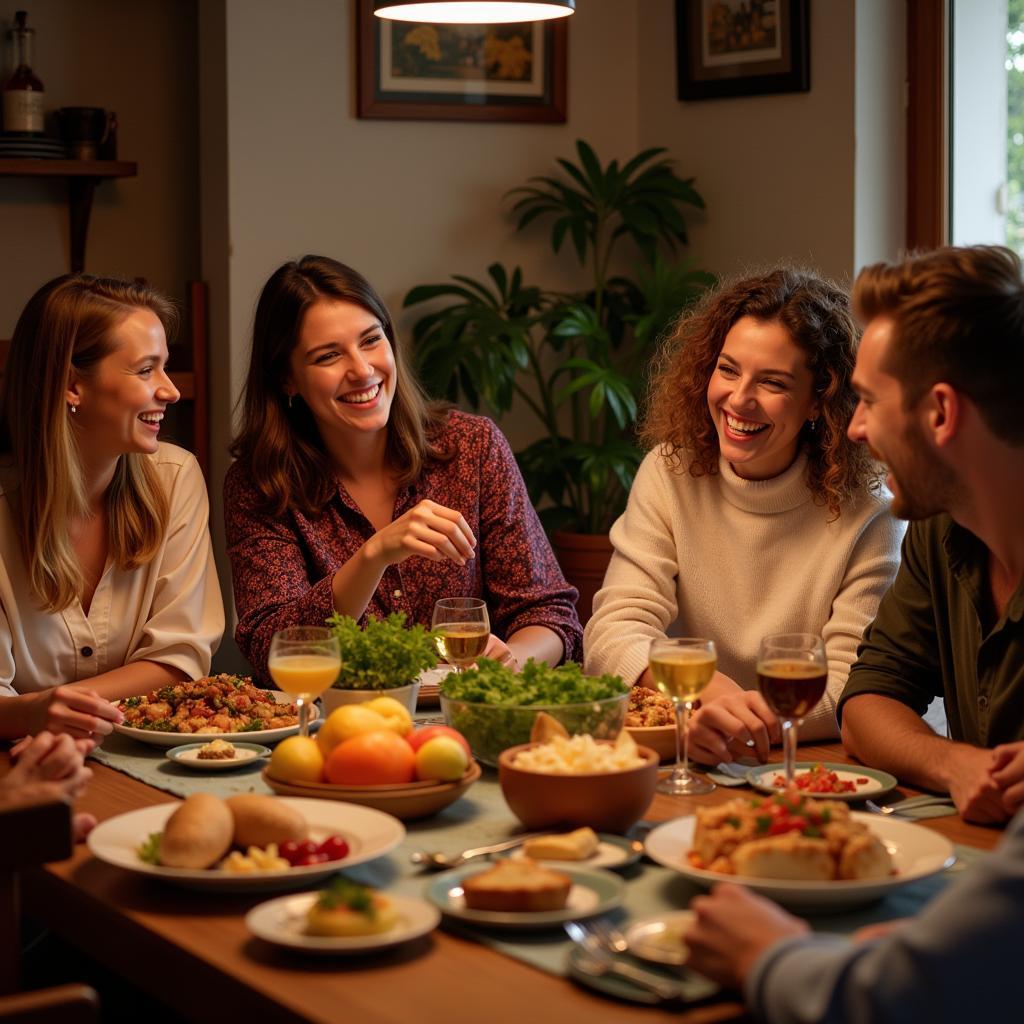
463, 630
304, 661
791, 675
682, 667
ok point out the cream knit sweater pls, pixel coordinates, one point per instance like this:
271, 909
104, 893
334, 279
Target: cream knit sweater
733, 560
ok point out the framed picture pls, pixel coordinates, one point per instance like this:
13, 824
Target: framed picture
460, 72
742, 47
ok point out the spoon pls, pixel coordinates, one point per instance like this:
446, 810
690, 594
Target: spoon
435, 861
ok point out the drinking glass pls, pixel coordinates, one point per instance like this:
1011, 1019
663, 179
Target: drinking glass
682, 667
463, 630
791, 675
304, 661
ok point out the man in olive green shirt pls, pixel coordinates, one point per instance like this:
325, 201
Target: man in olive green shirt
939, 373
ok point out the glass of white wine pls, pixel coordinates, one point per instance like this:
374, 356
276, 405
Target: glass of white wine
682, 667
791, 674
304, 661
463, 630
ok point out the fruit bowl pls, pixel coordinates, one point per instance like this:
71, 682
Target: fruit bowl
406, 801
491, 728
604, 801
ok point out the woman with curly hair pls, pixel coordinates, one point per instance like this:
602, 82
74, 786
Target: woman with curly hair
753, 513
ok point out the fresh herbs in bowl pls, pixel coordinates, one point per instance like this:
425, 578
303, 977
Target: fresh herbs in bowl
494, 708
382, 655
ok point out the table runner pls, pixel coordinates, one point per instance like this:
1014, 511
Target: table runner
480, 817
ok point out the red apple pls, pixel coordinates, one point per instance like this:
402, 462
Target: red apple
418, 737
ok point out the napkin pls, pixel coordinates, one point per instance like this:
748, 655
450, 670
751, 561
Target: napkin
734, 774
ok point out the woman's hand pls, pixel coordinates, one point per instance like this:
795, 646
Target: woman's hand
428, 530
724, 726
82, 714
499, 651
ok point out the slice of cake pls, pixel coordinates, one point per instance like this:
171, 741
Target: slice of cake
576, 845
515, 885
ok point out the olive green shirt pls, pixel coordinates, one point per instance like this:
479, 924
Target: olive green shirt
929, 638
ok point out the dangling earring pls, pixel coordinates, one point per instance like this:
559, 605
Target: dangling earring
73, 408
290, 397
814, 424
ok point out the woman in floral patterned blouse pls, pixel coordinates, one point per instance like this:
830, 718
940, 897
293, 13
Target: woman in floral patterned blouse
352, 493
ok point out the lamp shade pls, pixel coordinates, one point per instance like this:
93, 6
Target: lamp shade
472, 12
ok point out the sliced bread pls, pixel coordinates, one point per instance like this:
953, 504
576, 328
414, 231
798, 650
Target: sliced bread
516, 885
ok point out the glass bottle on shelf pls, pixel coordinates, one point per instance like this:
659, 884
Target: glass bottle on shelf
23, 92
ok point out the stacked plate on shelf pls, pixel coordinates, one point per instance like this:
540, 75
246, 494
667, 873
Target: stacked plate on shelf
18, 145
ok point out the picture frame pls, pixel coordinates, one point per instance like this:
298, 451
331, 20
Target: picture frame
413, 71
742, 47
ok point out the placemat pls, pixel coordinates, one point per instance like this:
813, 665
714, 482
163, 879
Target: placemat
481, 817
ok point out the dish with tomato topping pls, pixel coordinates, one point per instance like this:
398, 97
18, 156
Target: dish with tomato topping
825, 780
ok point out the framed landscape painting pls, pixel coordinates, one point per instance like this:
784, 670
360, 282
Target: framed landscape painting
419, 71
742, 47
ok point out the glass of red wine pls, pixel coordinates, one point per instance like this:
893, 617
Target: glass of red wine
791, 675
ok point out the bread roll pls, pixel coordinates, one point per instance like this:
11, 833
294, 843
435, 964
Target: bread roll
197, 834
517, 885
259, 820
789, 856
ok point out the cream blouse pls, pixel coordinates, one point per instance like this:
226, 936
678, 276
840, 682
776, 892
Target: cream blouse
169, 610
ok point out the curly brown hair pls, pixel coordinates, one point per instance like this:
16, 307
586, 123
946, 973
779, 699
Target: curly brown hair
816, 313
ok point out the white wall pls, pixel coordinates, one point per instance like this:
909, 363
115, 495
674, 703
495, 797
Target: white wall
777, 171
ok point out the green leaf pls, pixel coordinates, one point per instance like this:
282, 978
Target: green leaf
383, 654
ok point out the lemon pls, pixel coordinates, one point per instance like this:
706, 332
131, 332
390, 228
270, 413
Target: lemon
394, 713
345, 722
297, 759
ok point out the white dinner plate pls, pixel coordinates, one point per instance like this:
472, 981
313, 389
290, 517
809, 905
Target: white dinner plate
369, 833
869, 782
659, 938
174, 739
282, 921
592, 893
187, 756
917, 853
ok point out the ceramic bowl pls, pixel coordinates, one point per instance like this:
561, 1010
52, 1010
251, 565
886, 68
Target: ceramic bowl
491, 728
660, 738
606, 801
407, 801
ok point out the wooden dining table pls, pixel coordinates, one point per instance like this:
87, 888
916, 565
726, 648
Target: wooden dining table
192, 951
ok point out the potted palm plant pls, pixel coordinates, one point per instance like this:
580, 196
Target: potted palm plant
576, 360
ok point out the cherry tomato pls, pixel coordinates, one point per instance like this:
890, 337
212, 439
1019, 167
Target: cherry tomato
306, 848
334, 848
309, 859
289, 849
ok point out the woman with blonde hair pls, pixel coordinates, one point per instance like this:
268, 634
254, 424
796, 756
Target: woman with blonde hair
753, 513
354, 494
107, 582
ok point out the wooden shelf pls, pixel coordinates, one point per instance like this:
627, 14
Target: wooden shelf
82, 177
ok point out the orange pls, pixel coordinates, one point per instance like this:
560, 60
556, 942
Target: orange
371, 759
345, 722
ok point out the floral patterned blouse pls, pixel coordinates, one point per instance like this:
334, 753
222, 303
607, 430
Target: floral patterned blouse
282, 568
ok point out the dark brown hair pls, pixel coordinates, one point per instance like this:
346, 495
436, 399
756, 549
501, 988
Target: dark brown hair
958, 317
281, 446
67, 324
816, 314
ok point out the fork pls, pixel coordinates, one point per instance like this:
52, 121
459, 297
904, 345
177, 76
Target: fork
608, 936
906, 805
596, 959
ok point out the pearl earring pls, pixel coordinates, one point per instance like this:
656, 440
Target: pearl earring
73, 408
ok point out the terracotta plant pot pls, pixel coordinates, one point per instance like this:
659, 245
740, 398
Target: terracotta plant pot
584, 559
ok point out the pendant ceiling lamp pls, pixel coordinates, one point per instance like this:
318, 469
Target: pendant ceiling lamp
473, 12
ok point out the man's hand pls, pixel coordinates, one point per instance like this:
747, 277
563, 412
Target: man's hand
977, 795
723, 727
1007, 770
82, 714
733, 928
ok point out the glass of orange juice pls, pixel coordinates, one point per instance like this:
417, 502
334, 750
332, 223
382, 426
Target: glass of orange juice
304, 661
